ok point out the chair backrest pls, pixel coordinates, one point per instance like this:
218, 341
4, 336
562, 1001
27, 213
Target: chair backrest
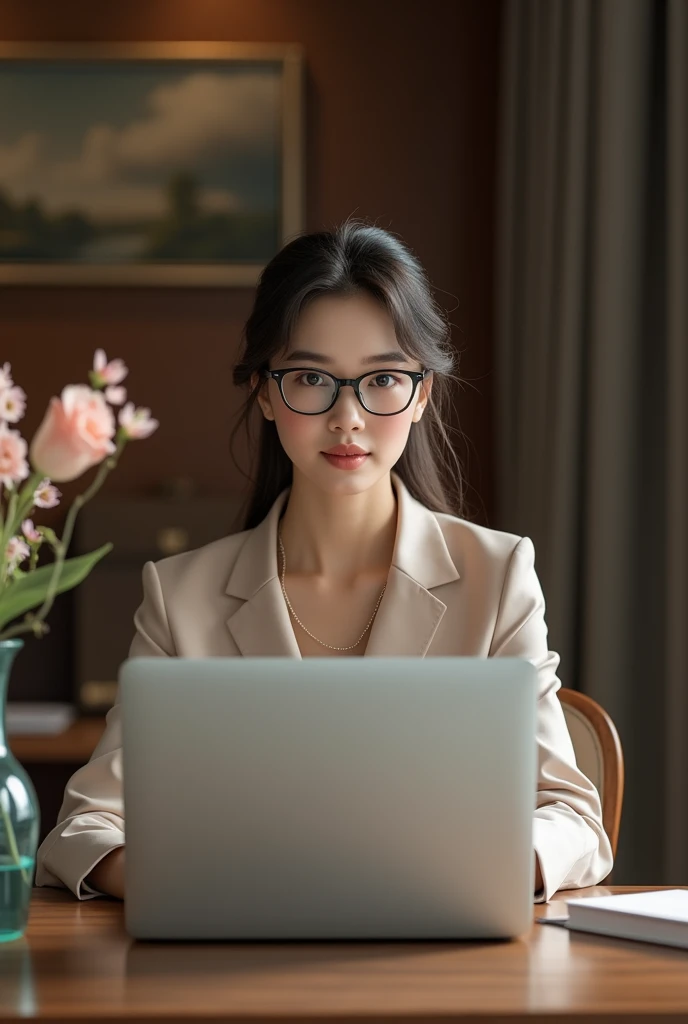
598, 752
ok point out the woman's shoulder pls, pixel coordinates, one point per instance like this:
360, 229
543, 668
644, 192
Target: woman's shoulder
472, 543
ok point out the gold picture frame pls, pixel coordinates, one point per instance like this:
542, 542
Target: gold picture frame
235, 229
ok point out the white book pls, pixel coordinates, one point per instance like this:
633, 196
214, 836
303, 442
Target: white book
24, 718
660, 916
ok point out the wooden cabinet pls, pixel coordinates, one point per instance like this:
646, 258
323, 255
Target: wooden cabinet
141, 530
74, 746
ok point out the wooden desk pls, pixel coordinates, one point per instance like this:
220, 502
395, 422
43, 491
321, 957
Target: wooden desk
76, 962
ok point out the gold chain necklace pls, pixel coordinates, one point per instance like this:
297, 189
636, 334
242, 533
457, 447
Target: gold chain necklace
321, 642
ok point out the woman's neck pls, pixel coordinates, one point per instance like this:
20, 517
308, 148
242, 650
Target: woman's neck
339, 536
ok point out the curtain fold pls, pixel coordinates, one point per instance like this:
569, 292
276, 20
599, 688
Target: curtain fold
592, 377
676, 564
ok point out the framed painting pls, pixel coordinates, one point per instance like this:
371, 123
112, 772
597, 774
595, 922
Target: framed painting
148, 163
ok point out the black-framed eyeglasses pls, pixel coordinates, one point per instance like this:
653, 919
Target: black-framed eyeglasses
311, 391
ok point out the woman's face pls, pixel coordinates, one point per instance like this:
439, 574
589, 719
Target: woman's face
346, 336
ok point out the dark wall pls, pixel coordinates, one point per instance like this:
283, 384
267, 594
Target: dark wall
401, 127
401, 113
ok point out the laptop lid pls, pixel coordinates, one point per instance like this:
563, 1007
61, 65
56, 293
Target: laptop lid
328, 798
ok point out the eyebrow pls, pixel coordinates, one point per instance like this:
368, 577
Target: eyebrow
303, 355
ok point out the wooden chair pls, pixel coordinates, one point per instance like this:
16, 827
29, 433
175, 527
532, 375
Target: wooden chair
598, 754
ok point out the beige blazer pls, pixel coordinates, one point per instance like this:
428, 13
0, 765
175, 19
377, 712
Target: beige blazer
454, 588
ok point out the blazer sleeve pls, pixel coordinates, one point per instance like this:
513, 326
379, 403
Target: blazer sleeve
90, 822
570, 842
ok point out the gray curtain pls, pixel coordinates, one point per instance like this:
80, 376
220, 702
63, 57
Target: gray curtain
592, 374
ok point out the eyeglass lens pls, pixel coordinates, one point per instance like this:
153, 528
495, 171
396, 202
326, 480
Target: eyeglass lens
311, 391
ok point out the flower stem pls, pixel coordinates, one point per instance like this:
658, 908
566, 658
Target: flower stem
17, 506
30, 624
11, 838
6, 534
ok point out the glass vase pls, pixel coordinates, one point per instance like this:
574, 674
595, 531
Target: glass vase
19, 820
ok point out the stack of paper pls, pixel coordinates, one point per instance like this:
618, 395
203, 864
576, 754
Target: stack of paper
660, 916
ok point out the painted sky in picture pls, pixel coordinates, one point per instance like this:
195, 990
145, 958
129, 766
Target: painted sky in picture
128, 161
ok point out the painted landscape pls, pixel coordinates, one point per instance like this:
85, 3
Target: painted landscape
131, 162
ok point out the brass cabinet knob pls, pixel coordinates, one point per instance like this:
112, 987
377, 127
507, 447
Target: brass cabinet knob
98, 694
172, 539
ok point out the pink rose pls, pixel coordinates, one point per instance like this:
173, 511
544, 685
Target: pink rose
76, 433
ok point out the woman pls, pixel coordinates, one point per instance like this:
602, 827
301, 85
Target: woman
352, 545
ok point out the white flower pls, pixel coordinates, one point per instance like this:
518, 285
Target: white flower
6, 377
30, 531
115, 395
12, 404
13, 464
136, 423
15, 552
46, 495
108, 373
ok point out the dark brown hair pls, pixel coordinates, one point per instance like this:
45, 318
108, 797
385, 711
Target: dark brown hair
355, 257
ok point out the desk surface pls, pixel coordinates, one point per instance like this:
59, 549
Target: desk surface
76, 962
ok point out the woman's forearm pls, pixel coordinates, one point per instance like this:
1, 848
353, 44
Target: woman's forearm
108, 874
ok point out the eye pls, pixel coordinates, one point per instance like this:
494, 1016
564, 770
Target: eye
383, 380
312, 379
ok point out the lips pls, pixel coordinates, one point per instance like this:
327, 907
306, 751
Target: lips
346, 449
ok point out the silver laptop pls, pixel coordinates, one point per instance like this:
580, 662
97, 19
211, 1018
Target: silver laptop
329, 798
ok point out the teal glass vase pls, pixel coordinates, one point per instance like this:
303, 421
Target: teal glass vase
19, 820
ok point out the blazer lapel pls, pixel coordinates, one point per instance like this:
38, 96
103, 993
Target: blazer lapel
409, 613
261, 626
406, 620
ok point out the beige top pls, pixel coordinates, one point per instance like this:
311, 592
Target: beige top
454, 588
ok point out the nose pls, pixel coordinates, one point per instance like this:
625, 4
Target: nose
347, 413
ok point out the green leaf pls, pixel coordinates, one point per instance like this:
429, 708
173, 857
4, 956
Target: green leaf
29, 592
